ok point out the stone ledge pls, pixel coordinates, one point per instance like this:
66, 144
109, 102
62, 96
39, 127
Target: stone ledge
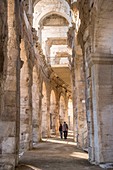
100, 58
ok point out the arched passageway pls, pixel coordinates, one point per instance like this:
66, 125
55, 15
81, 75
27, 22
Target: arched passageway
38, 40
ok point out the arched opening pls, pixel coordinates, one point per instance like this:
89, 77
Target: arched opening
49, 29
70, 114
61, 7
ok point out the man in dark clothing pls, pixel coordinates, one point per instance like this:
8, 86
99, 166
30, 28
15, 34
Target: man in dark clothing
60, 130
65, 130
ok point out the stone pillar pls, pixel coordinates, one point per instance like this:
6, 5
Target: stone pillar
101, 66
39, 106
47, 53
66, 110
89, 113
57, 118
75, 129
62, 109
48, 113
80, 102
9, 116
52, 115
35, 105
25, 102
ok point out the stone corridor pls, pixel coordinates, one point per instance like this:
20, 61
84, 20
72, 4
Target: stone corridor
56, 65
56, 154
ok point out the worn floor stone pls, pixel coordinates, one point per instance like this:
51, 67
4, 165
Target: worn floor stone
56, 154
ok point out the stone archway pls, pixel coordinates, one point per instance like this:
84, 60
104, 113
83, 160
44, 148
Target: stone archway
60, 7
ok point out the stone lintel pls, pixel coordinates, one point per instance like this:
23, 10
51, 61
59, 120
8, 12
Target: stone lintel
100, 58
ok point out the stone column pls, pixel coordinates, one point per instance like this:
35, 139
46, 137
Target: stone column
101, 66
53, 107
47, 53
9, 117
57, 118
26, 101
62, 109
35, 105
89, 115
66, 109
39, 106
80, 102
48, 113
75, 128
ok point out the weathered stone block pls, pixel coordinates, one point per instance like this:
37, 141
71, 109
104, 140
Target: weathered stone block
7, 129
6, 167
8, 145
9, 114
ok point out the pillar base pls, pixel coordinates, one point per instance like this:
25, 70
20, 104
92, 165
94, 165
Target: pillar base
6, 167
7, 162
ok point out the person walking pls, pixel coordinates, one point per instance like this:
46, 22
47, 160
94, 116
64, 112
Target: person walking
65, 130
60, 130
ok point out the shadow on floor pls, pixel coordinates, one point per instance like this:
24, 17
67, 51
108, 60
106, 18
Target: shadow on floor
56, 154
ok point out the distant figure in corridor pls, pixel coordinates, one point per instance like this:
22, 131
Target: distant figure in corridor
65, 130
60, 130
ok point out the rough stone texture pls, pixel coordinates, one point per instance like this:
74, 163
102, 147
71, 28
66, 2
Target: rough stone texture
15, 114
6, 167
26, 100
10, 89
94, 39
37, 103
25, 104
78, 86
80, 103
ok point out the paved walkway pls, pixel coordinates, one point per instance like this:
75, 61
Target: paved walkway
56, 154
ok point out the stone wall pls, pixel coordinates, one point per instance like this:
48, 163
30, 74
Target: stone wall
94, 39
9, 116
22, 63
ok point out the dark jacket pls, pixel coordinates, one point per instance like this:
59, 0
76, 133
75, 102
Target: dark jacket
60, 127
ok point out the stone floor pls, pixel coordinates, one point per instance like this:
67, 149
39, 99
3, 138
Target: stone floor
56, 154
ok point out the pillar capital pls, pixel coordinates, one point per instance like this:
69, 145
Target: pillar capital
100, 58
